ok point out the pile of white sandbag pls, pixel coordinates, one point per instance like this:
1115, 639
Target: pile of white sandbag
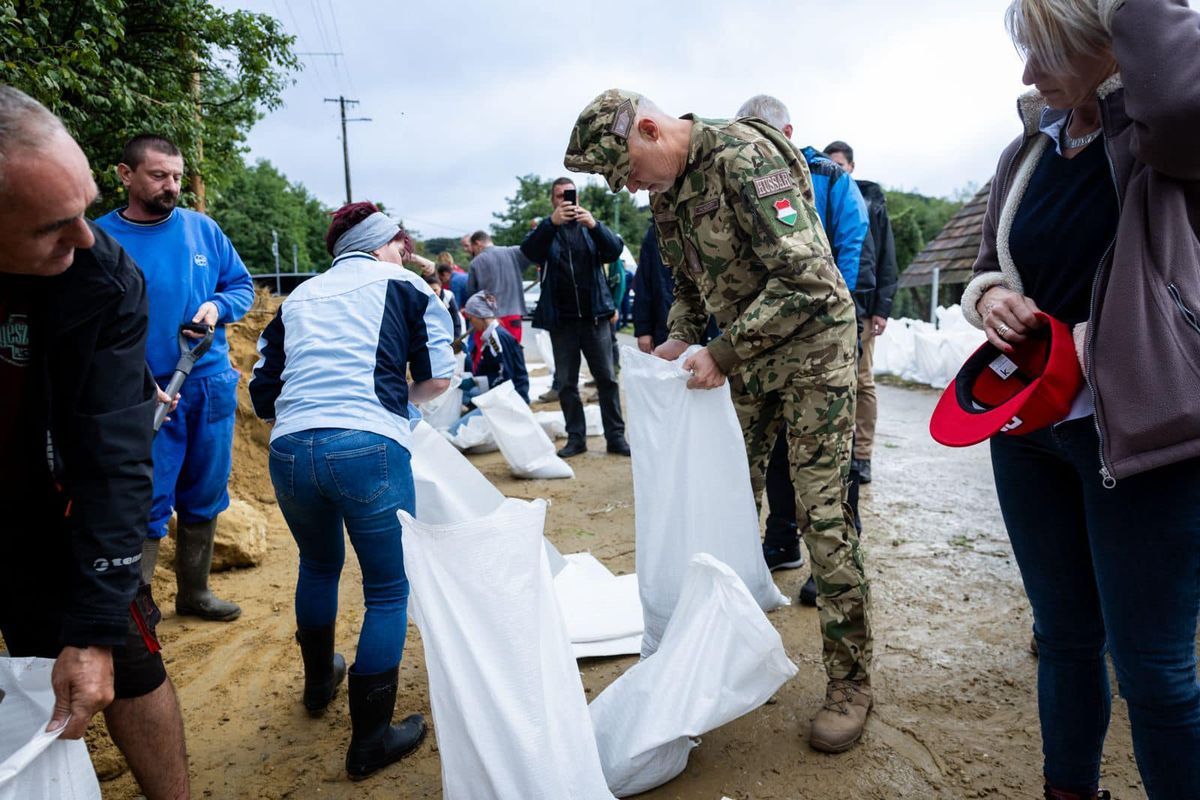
920, 352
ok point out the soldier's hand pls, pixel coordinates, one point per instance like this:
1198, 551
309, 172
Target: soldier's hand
585, 216
670, 350
705, 372
563, 214
646, 343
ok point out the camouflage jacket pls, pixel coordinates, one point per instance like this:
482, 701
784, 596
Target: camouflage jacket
745, 244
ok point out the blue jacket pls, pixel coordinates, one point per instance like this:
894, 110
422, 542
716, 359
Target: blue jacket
842, 210
542, 246
509, 365
187, 260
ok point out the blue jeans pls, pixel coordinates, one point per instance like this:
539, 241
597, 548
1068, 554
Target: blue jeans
1114, 570
327, 476
193, 452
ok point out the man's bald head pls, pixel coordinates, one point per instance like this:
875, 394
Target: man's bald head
45, 187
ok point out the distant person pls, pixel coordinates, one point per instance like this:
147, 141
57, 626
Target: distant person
493, 356
348, 342
193, 274
455, 280
436, 285
1092, 219
576, 307
499, 271
844, 217
76, 478
877, 288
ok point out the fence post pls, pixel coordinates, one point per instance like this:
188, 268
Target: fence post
933, 298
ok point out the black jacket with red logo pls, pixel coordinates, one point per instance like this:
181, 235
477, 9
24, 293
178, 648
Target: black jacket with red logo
95, 402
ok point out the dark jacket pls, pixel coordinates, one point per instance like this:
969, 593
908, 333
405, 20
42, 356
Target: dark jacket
98, 414
1141, 346
508, 366
544, 246
877, 273
653, 292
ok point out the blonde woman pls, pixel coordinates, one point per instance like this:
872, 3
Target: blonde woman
1092, 219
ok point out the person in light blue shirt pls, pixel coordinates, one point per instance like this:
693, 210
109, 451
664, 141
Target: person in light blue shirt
193, 274
341, 364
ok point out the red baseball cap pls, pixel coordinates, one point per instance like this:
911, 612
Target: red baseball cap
1015, 393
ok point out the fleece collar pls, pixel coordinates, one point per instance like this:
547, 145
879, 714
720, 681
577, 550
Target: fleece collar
1031, 105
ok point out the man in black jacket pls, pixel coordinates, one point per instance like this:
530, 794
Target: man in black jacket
874, 297
75, 469
577, 308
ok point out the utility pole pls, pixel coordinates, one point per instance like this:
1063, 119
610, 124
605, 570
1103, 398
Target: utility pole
342, 103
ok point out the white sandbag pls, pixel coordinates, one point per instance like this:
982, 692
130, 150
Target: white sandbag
541, 340
691, 487
597, 605
449, 488
555, 424
719, 659
473, 436
526, 447
34, 764
444, 410
508, 704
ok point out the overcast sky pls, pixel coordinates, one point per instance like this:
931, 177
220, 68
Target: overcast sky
464, 95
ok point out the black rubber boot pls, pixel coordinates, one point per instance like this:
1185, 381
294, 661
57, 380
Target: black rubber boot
1058, 794
808, 592
375, 741
324, 670
193, 560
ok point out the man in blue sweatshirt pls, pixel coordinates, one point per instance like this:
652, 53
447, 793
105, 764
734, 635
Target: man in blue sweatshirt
843, 214
193, 274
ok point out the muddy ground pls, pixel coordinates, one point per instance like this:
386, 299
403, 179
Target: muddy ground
955, 714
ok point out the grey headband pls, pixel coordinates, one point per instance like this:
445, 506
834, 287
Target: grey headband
482, 305
367, 236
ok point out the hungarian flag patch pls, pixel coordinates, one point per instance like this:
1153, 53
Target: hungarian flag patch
784, 212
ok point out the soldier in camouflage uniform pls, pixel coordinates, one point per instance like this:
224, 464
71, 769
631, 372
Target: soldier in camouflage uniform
732, 203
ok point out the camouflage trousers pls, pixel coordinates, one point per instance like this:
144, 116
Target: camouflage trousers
818, 414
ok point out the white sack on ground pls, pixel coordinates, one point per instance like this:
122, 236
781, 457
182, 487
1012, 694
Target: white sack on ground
691, 487
444, 410
555, 424
917, 351
526, 447
508, 704
449, 488
35, 765
475, 436
598, 607
719, 658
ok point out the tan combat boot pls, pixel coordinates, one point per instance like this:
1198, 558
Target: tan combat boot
839, 723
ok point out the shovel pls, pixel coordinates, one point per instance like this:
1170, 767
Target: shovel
188, 356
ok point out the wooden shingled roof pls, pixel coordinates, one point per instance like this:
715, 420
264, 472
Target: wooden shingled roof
954, 249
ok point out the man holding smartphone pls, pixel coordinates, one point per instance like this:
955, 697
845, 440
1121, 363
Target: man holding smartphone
577, 308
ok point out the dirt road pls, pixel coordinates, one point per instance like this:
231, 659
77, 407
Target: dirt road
955, 714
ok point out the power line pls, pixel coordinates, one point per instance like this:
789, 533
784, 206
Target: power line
342, 103
337, 33
300, 38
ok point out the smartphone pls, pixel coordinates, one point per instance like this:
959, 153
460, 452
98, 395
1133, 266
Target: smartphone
570, 196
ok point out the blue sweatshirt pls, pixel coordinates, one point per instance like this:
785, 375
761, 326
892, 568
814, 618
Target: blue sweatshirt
842, 211
187, 260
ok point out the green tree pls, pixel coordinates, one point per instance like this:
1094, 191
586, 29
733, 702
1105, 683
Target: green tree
259, 203
111, 69
916, 220
531, 201
606, 207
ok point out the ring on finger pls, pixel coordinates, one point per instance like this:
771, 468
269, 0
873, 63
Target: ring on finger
1003, 330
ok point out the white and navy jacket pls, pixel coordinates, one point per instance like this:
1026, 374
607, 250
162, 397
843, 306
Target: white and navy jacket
337, 352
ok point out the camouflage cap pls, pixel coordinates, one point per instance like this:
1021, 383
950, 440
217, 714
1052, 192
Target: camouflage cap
599, 140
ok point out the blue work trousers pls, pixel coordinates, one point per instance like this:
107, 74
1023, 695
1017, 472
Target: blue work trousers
1114, 570
326, 478
193, 452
